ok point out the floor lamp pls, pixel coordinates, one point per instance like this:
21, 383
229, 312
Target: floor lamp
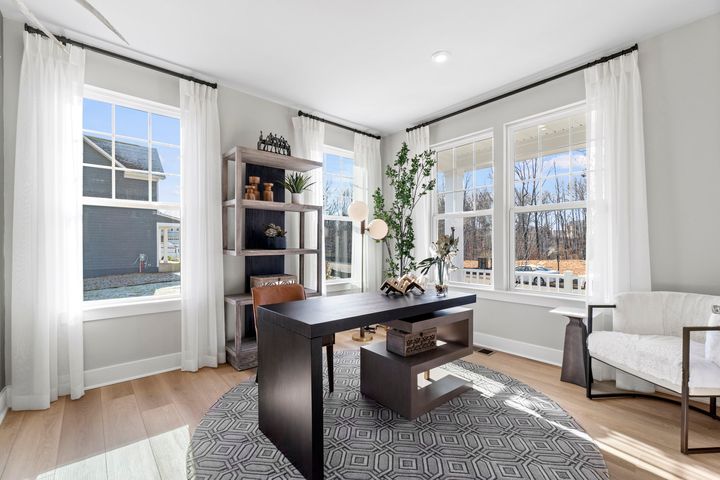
377, 229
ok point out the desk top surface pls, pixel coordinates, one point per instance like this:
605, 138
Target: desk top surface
320, 316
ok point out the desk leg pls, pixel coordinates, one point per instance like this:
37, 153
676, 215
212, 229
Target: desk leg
573, 366
290, 396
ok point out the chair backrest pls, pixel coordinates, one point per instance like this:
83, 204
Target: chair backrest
272, 294
661, 313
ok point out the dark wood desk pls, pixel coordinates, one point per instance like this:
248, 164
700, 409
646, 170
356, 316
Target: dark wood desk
290, 362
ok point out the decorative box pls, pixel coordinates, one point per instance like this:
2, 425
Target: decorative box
407, 344
274, 279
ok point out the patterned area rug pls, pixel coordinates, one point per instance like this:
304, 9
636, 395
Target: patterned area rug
502, 429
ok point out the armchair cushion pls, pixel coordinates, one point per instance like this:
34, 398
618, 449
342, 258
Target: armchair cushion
712, 339
656, 358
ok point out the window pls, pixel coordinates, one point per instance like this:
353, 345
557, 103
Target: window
464, 201
338, 174
131, 197
548, 165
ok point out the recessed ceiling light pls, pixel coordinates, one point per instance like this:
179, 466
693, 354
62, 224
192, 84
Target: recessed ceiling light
441, 56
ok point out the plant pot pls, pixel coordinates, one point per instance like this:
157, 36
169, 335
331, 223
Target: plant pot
276, 243
296, 198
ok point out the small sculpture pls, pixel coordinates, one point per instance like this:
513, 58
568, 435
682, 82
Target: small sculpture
402, 285
268, 193
273, 143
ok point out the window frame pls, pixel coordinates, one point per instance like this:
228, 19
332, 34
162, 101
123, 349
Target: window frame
435, 216
509, 198
122, 307
329, 149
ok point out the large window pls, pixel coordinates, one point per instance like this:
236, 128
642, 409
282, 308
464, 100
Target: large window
338, 172
548, 163
464, 201
131, 197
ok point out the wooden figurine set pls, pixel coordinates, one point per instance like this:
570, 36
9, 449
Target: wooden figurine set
252, 191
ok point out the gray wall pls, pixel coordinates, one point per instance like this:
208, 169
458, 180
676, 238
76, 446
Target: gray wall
242, 116
680, 73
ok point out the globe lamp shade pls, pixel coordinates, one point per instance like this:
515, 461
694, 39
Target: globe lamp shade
358, 211
377, 229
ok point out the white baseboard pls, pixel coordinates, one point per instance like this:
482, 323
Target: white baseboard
522, 349
122, 372
4, 394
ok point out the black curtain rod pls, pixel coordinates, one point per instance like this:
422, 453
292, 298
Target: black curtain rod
69, 41
303, 114
526, 87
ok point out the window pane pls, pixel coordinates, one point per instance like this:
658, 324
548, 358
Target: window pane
483, 154
476, 266
130, 252
555, 136
483, 198
527, 193
131, 154
131, 185
97, 182
484, 177
97, 116
166, 188
578, 188
445, 203
556, 164
131, 123
332, 164
338, 249
550, 250
556, 189
165, 129
97, 150
444, 171
338, 195
464, 167
526, 144
166, 159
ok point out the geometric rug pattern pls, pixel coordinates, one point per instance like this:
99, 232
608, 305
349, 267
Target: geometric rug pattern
501, 429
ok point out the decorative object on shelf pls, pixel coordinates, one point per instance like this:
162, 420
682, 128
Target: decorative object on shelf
407, 344
254, 188
377, 228
273, 143
273, 279
275, 236
403, 285
268, 193
410, 180
444, 251
297, 183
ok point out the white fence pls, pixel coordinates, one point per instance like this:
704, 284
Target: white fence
537, 281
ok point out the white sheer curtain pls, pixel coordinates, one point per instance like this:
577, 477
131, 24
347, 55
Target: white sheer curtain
419, 141
203, 316
309, 141
47, 281
618, 255
368, 177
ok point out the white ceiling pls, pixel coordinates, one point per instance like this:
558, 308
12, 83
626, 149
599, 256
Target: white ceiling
368, 61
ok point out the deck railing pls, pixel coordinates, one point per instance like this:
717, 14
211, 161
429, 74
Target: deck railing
567, 282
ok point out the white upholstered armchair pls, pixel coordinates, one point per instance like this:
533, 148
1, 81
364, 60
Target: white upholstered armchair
660, 337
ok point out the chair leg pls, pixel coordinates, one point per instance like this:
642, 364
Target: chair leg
331, 373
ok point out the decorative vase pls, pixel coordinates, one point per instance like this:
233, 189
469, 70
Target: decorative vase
276, 243
296, 198
441, 286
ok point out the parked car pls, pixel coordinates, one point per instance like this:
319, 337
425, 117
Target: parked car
536, 279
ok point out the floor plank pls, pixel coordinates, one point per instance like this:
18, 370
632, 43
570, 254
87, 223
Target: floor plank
82, 436
8, 432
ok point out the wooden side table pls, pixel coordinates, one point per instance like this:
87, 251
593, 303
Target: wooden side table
574, 350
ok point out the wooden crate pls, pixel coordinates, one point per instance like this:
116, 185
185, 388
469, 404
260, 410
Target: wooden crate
275, 279
407, 344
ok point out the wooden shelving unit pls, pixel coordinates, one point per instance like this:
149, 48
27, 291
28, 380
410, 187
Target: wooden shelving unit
248, 217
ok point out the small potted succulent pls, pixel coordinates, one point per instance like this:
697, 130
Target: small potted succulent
275, 236
444, 251
297, 183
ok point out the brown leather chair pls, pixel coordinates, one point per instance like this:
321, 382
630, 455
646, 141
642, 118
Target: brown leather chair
273, 294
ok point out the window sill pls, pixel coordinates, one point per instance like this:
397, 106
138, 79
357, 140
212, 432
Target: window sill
524, 298
105, 309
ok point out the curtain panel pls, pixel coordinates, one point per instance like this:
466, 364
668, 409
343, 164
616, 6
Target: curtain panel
418, 142
203, 315
368, 177
46, 330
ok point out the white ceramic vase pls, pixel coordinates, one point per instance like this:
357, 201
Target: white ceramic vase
296, 198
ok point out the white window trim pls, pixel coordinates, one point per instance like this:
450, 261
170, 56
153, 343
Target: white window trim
509, 199
339, 284
132, 306
478, 136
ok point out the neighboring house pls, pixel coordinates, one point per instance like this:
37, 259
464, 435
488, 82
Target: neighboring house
115, 237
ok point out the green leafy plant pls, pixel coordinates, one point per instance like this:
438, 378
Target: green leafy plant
410, 180
297, 182
272, 230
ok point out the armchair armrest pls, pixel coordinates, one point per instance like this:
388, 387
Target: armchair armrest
686, 349
590, 315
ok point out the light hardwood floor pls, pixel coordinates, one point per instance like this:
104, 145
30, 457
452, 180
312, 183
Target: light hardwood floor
141, 428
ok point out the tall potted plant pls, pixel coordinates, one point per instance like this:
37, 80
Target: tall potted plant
410, 180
